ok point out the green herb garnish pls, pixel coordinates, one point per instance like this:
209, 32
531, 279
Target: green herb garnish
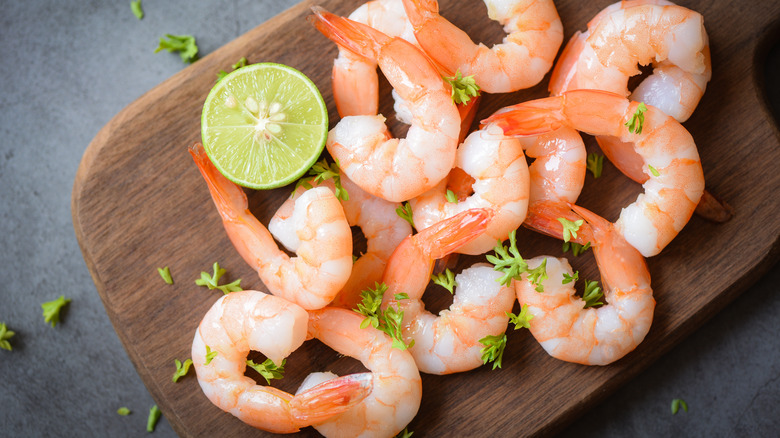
404, 434
493, 350
595, 163
576, 248
592, 294
463, 88
452, 197
5, 335
184, 44
212, 281
446, 280
676, 403
321, 171
268, 369
154, 416
537, 275
570, 228
241, 63
165, 273
569, 278
135, 6
508, 260
405, 212
181, 369
388, 321
522, 319
637, 120
51, 309
210, 355
653, 170
123, 411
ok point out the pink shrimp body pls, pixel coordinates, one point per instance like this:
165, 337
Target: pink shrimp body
631, 33
396, 386
324, 240
448, 342
497, 165
670, 159
377, 219
592, 336
534, 34
394, 169
252, 320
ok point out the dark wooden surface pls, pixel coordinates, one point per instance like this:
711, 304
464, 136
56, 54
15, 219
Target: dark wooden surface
139, 203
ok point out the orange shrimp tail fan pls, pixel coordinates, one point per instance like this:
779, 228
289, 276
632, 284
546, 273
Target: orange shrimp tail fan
543, 217
356, 37
420, 11
331, 398
529, 118
445, 237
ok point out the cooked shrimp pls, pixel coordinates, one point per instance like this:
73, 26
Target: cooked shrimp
377, 219
592, 336
447, 343
669, 154
355, 80
396, 386
497, 165
252, 320
534, 34
394, 169
323, 240
629, 33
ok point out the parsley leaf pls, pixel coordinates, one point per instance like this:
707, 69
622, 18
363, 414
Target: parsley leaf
51, 309
154, 416
165, 273
184, 44
493, 350
210, 355
241, 63
5, 335
509, 261
653, 170
595, 163
388, 321
404, 434
537, 275
212, 281
405, 212
576, 248
135, 6
637, 120
676, 403
522, 319
569, 278
181, 369
268, 369
451, 197
321, 171
592, 294
570, 228
463, 88
446, 280
123, 411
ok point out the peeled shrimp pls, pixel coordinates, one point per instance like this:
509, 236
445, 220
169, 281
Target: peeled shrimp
497, 165
670, 159
324, 240
447, 343
396, 386
640, 32
252, 320
592, 336
377, 219
394, 169
534, 34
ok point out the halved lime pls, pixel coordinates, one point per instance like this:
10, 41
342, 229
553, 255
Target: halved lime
264, 125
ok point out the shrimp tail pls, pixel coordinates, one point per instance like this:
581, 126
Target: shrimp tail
356, 37
543, 218
529, 118
227, 196
446, 236
421, 11
331, 398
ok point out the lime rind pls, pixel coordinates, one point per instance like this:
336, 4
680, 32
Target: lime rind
278, 158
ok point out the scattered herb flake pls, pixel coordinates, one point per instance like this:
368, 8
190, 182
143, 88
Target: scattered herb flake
537, 275
638, 119
388, 321
165, 273
404, 434
463, 88
405, 212
210, 355
522, 319
123, 411
184, 44
576, 248
493, 350
592, 294
181, 369
653, 170
451, 197
595, 163
154, 417
509, 261
445, 279
321, 171
135, 6
51, 309
5, 335
570, 228
569, 278
268, 369
677, 403
212, 281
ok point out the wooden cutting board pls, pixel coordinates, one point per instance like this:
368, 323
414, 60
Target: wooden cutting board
139, 203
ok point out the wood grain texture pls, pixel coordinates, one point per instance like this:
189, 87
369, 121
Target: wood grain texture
139, 203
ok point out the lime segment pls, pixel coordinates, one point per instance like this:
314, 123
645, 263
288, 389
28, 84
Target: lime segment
264, 125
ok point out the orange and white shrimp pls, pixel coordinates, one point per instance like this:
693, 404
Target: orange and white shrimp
324, 250
534, 35
377, 219
448, 342
250, 320
631, 33
394, 169
592, 336
355, 80
497, 166
670, 159
396, 388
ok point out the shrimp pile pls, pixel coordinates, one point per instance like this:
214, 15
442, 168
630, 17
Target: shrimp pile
441, 191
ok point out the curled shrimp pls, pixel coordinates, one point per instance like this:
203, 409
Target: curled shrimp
631, 33
323, 240
670, 159
396, 386
592, 336
496, 165
448, 342
377, 219
394, 169
252, 320
534, 34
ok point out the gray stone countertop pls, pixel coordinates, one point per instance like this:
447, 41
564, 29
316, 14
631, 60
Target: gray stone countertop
66, 69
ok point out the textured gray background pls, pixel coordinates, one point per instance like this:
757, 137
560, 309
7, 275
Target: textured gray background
66, 68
